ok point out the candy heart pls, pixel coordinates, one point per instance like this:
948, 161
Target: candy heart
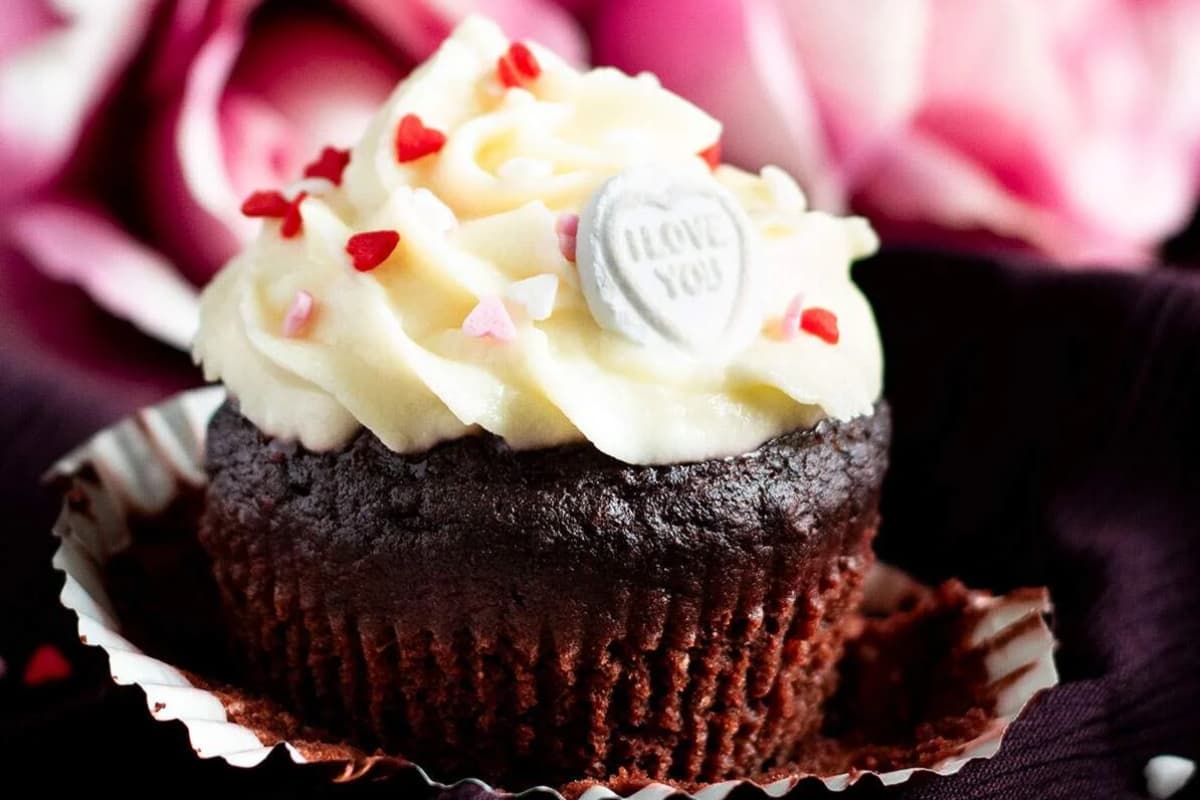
414, 140
666, 256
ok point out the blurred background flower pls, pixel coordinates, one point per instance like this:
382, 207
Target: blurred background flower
1071, 127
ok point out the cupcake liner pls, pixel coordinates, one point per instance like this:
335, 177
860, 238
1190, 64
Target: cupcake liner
139, 477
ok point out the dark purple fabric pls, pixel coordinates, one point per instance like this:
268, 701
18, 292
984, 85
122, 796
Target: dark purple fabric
1047, 432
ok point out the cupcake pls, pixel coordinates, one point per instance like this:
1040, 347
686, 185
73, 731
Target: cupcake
553, 445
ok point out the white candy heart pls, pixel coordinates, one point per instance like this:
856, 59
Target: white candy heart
666, 255
536, 294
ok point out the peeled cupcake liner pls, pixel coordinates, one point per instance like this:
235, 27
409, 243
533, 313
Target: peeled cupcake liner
139, 466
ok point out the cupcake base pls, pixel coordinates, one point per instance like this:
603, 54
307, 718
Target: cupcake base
547, 614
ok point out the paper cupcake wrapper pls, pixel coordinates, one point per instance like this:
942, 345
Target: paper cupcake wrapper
140, 466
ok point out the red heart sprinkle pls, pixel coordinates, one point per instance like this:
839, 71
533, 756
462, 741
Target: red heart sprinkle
329, 165
518, 65
507, 73
524, 60
46, 665
292, 221
820, 322
369, 250
414, 140
265, 204
712, 154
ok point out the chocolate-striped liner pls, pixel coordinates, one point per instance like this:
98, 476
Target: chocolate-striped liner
139, 466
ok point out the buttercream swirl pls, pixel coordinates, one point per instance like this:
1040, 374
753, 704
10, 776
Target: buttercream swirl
386, 348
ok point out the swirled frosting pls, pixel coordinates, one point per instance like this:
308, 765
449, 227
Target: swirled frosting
387, 348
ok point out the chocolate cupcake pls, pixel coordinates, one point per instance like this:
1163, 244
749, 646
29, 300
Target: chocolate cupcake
554, 446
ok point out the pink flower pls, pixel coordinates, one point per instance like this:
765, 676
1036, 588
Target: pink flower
130, 132
1068, 126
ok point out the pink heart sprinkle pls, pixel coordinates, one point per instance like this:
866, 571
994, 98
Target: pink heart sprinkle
789, 324
567, 228
490, 318
297, 317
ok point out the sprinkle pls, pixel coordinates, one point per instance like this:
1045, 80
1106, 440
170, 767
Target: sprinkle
567, 228
1166, 775
265, 204
292, 222
519, 65
46, 665
490, 318
536, 294
712, 154
789, 323
524, 60
329, 165
298, 316
507, 73
369, 250
820, 322
414, 140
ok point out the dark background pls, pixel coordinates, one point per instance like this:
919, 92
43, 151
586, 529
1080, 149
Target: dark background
1047, 433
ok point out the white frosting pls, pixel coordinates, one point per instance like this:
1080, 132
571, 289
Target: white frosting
385, 349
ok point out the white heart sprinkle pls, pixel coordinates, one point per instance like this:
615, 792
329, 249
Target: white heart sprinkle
535, 294
1167, 774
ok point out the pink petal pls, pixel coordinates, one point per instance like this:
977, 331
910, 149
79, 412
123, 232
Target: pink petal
190, 201
25, 23
735, 60
321, 74
1061, 147
866, 70
1169, 30
926, 191
184, 31
78, 245
260, 146
419, 26
490, 318
50, 84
